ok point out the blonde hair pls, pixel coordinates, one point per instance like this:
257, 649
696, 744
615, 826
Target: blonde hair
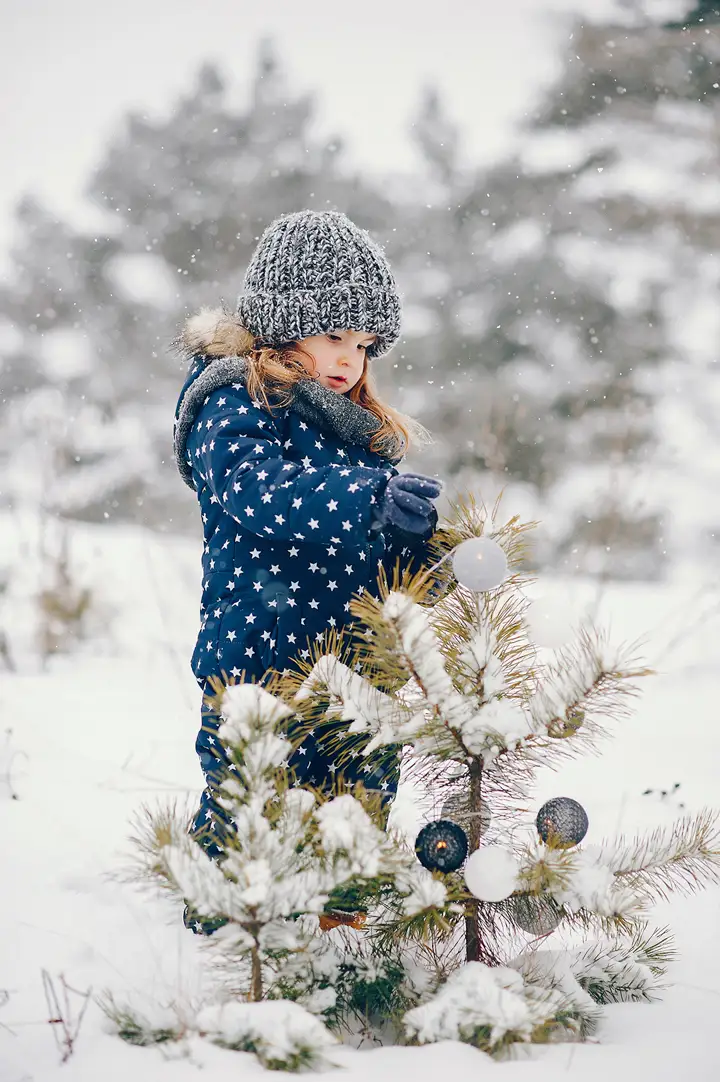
273, 371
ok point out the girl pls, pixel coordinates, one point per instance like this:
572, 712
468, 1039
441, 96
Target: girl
292, 456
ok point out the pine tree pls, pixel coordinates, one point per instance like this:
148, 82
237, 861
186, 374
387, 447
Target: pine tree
570, 309
702, 13
477, 708
180, 201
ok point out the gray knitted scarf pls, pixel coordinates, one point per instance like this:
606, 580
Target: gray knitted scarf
332, 413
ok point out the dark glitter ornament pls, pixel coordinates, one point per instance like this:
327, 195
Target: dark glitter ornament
441, 846
562, 822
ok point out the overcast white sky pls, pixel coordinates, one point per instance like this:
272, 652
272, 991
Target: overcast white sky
69, 69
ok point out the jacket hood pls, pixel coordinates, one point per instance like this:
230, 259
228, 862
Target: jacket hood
214, 332
215, 344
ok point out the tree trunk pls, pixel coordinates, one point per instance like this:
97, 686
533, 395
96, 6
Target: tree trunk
256, 987
473, 939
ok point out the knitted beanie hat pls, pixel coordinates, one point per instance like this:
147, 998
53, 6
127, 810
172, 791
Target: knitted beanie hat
314, 272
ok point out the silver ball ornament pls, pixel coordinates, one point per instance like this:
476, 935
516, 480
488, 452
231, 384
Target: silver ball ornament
458, 809
562, 822
535, 913
479, 564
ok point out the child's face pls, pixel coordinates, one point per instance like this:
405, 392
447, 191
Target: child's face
336, 359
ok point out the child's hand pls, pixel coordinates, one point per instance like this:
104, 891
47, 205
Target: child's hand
406, 503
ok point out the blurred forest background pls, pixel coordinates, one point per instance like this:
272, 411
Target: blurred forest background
562, 307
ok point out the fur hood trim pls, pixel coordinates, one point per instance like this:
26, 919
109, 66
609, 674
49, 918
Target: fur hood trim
216, 332
216, 337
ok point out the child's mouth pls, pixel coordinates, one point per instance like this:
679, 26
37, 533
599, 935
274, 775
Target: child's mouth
337, 381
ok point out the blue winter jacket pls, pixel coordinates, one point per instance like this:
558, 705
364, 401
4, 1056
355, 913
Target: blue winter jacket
287, 507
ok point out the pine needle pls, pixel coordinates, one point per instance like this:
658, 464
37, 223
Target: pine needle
683, 857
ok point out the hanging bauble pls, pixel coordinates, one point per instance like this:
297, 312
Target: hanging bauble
479, 564
538, 914
562, 822
441, 846
568, 724
491, 873
458, 809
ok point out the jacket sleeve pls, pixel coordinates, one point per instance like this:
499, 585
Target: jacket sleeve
236, 449
409, 549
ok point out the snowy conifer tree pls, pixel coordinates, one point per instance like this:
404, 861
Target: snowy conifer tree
462, 688
570, 294
288, 856
176, 206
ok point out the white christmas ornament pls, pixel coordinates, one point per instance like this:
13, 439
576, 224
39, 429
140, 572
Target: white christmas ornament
491, 873
479, 564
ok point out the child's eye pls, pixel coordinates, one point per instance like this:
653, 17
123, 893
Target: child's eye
361, 346
334, 337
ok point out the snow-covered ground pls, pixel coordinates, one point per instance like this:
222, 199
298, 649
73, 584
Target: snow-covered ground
94, 735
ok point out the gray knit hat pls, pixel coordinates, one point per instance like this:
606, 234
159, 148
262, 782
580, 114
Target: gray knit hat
314, 272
